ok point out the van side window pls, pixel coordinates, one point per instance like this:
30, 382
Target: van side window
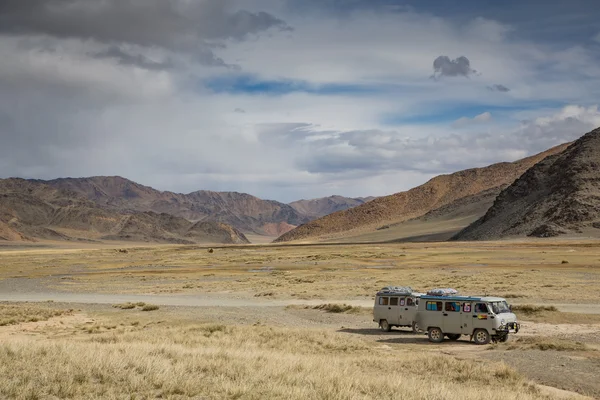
452, 306
402, 301
410, 302
467, 307
481, 308
393, 301
383, 301
434, 305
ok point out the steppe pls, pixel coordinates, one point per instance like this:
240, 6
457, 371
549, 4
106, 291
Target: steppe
85, 320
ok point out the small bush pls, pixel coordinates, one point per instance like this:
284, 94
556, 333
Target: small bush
548, 343
337, 308
529, 309
124, 306
150, 307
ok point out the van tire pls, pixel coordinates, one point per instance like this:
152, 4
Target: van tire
435, 335
481, 336
453, 336
415, 328
385, 326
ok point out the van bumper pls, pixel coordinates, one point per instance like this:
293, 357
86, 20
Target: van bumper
509, 327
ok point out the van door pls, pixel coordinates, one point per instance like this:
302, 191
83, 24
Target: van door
394, 317
467, 318
452, 321
408, 310
480, 317
386, 310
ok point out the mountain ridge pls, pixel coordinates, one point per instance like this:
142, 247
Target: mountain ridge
437, 192
560, 195
31, 210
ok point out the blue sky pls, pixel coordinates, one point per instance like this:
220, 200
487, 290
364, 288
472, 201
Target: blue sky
289, 99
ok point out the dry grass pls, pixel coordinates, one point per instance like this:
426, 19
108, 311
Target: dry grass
551, 315
547, 343
518, 270
142, 306
529, 309
217, 361
341, 308
11, 314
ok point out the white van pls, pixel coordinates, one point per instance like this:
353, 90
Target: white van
485, 319
396, 306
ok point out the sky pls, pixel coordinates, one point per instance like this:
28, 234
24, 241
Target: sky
290, 99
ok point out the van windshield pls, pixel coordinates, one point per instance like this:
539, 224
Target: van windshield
499, 307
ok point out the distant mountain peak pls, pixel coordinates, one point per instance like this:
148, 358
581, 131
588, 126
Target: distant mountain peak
557, 196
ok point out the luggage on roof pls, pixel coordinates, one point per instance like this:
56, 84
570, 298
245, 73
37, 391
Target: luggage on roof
442, 292
396, 290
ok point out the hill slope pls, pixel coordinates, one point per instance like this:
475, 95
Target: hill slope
243, 211
31, 210
316, 208
559, 195
399, 207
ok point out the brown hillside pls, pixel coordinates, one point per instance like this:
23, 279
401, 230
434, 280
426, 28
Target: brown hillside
437, 192
559, 195
243, 211
215, 232
31, 210
316, 208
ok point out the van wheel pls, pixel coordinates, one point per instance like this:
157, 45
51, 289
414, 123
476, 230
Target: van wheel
415, 328
481, 336
453, 336
435, 335
385, 326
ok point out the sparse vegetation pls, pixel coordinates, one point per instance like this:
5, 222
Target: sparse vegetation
338, 308
547, 343
125, 306
254, 362
529, 309
150, 307
12, 314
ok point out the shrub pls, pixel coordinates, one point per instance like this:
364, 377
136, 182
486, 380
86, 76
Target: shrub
150, 307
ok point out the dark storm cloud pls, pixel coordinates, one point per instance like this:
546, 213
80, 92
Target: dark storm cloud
176, 25
444, 66
137, 60
498, 88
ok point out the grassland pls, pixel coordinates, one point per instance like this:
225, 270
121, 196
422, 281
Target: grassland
305, 330
525, 272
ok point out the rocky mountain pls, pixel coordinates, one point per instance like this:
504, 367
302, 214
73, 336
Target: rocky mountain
560, 195
31, 210
244, 212
316, 208
438, 192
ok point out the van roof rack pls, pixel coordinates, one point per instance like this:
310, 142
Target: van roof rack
396, 290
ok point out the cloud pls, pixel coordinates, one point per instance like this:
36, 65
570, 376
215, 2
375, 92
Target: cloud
498, 88
239, 111
480, 118
377, 152
147, 89
444, 66
596, 38
179, 25
137, 60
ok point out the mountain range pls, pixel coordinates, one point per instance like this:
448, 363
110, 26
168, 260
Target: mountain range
104, 208
551, 193
382, 218
32, 210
